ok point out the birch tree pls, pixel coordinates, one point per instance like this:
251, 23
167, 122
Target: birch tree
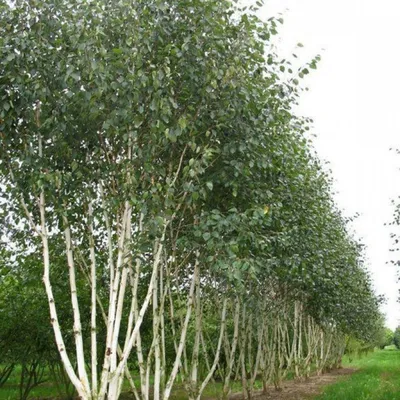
105, 130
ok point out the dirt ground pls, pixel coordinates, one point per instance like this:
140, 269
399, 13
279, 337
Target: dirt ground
301, 390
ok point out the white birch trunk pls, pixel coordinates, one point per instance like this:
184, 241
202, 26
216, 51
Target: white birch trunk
157, 354
231, 361
114, 382
79, 386
112, 308
93, 304
109, 239
80, 357
162, 328
196, 345
180, 349
217, 352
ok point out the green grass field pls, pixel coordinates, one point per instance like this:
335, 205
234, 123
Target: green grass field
377, 378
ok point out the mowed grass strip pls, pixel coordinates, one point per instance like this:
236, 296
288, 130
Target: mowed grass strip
377, 378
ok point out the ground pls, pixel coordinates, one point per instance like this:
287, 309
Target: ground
299, 390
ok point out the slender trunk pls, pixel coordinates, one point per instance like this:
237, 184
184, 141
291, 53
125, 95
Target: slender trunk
163, 291
295, 339
80, 387
157, 354
134, 280
258, 355
328, 351
196, 346
148, 366
250, 355
114, 383
80, 356
180, 349
109, 240
121, 292
231, 360
321, 355
113, 306
93, 303
217, 352
299, 345
275, 344
242, 360
205, 354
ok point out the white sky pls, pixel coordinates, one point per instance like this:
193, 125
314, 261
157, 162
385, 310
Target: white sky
354, 101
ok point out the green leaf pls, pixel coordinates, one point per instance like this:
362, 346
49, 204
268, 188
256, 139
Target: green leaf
206, 236
182, 123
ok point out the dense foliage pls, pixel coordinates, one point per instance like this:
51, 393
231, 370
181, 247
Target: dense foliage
396, 337
149, 150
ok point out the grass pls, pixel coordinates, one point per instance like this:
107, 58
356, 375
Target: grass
40, 392
10, 390
377, 378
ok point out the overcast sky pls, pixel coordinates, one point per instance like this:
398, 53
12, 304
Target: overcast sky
354, 101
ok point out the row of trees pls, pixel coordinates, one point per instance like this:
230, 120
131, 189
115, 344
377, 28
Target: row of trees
390, 338
151, 159
396, 337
